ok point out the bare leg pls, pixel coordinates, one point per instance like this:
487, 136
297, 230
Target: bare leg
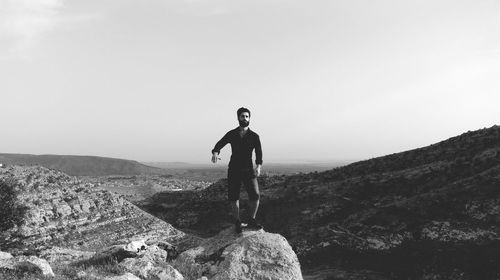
254, 206
235, 206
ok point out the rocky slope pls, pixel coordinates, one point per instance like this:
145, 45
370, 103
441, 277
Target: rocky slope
81, 165
64, 211
428, 213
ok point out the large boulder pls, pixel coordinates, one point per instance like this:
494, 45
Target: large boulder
126, 276
251, 255
34, 264
30, 264
5, 255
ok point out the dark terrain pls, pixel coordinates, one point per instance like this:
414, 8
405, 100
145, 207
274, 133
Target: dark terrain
213, 172
428, 213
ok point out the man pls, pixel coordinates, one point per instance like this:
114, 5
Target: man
243, 141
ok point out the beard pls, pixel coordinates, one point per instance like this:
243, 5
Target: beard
244, 123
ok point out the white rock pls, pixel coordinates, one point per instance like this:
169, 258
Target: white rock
154, 254
81, 274
165, 273
151, 263
252, 255
140, 267
120, 252
34, 264
5, 255
136, 246
126, 276
7, 263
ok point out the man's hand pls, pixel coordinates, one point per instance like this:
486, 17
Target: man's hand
257, 170
215, 157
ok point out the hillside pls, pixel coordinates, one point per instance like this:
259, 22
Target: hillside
81, 165
428, 213
65, 211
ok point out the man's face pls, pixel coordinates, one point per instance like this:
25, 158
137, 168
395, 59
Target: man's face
244, 119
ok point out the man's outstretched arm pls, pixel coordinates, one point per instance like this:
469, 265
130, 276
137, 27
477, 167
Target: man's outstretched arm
218, 146
258, 156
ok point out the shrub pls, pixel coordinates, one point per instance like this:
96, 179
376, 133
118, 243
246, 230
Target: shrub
11, 211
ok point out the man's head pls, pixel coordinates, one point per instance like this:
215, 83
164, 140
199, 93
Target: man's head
243, 116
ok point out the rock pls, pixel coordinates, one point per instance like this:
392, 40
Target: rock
5, 255
136, 246
151, 263
81, 275
62, 209
65, 255
253, 255
155, 254
126, 276
121, 252
149, 270
7, 263
139, 267
170, 249
34, 264
165, 273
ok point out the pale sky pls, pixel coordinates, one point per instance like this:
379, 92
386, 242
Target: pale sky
161, 80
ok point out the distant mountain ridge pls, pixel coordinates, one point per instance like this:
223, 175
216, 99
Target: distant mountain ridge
81, 165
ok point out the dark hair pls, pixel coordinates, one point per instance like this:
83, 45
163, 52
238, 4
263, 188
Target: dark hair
241, 110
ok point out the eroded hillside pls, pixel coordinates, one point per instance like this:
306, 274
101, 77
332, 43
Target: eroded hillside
65, 211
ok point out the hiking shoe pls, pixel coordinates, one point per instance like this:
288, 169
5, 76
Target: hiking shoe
237, 227
252, 224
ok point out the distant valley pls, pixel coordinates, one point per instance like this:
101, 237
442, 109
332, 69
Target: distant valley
104, 166
214, 172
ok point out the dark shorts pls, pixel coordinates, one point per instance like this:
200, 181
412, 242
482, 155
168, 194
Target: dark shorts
236, 177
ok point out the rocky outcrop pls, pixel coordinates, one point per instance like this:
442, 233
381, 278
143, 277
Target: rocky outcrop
31, 264
252, 255
140, 259
5, 255
67, 212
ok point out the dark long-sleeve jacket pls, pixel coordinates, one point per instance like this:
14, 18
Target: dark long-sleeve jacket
241, 147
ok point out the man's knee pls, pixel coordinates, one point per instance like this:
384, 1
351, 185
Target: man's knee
255, 195
233, 192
